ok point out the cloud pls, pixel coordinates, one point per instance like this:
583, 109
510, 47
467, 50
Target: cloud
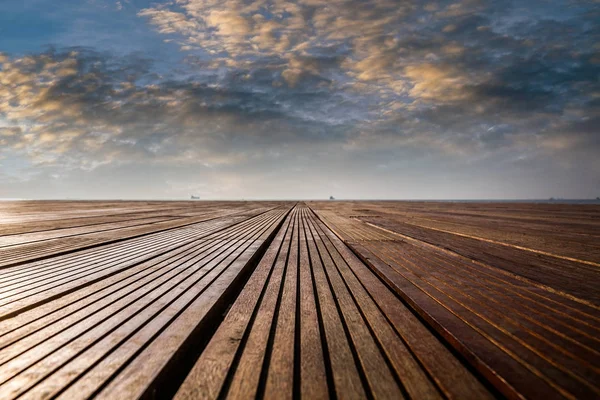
437, 83
82, 109
478, 81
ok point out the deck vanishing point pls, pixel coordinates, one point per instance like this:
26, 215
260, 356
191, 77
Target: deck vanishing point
349, 300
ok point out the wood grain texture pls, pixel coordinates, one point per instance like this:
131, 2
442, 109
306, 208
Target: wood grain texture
320, 329
523, 313
315, 300
113, 319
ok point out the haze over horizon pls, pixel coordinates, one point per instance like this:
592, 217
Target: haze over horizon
300, 99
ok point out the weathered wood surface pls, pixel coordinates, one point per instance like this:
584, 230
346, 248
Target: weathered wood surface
111, 319
568, 230
35, 244
314, 321
264, 299
527, 318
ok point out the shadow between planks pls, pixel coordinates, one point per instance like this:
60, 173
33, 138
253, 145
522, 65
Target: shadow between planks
213, 300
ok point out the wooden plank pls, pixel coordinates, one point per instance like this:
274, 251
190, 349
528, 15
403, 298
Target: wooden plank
570, 310
503, 371
57, 262
39, 250
76, 276
15, 240
273, 343
565, 229
161, 352
551, 336
279, 380
210, 372
529, 353
103, 345
380, 379
96, 319
449, 374
313, 372
46, 217
579, 280
537, 325
246, 378
57, 317
416, 308
406, 368
347, 382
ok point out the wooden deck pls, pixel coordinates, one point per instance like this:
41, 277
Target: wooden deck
207, 300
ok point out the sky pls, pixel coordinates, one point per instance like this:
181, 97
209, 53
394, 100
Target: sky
299, 99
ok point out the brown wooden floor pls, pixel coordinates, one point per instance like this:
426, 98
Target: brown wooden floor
286, 300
